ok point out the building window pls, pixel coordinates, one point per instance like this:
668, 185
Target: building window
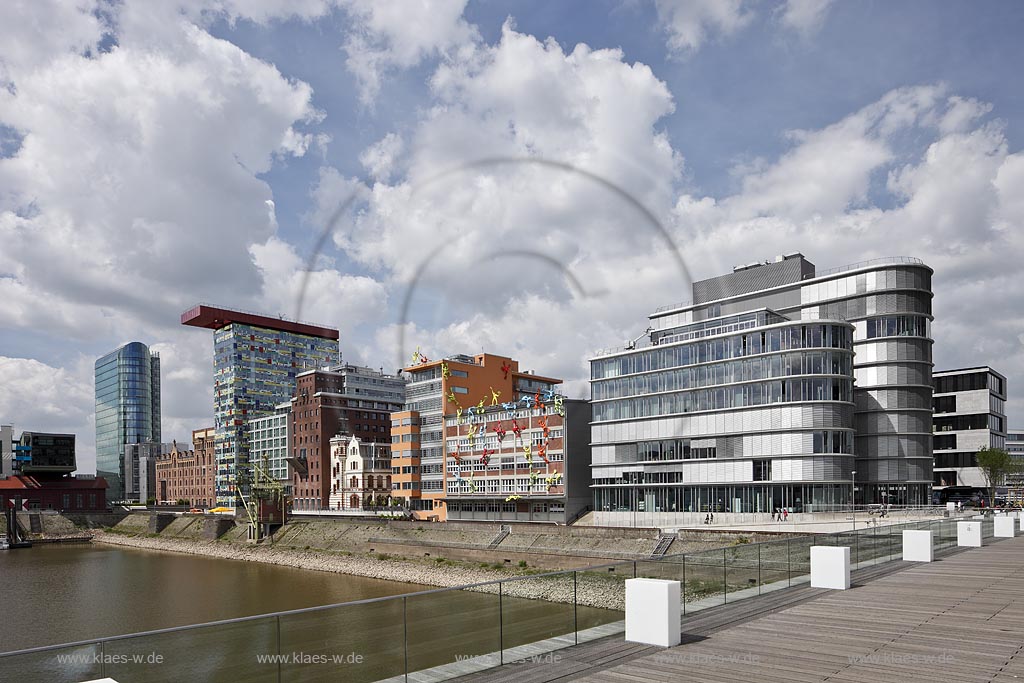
762, 470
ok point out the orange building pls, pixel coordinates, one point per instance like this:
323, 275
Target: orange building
454, 387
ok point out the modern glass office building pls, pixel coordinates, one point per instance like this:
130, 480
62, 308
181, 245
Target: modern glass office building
127, 409
256, 359
970, 414
775, 387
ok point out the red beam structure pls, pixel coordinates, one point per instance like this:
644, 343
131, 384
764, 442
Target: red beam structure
215, 317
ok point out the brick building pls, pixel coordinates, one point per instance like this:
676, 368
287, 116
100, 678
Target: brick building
188, 474
526, 461
345, 399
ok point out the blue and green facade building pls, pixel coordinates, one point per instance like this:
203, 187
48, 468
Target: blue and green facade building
127, 409
256, 359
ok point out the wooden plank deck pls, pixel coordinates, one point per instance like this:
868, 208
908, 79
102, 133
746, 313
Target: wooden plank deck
958, 619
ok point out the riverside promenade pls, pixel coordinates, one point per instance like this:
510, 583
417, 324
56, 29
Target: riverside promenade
960, 618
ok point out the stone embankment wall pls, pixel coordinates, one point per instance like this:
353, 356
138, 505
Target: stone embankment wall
594, 589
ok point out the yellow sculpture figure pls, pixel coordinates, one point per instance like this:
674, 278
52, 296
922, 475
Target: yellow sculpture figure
554, 479
451, 397
528, 452
458, 415
494, 396
480, 406
445, 372
471, 433
559, 408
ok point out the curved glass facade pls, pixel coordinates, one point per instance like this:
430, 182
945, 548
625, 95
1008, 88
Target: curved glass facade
752, 416
127, 409
758, 390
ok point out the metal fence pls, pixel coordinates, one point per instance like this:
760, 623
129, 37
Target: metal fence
440, 634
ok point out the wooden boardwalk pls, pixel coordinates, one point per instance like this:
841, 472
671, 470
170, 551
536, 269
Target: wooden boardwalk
959, 619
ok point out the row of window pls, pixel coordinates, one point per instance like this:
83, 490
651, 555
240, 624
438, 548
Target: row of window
897, 326
952, 423
973, 381
732, 372
754, 343
740, 396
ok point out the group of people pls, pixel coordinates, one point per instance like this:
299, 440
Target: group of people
780, 515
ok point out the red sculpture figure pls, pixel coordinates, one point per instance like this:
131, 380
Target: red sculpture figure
500, 431
506, 368
516, 429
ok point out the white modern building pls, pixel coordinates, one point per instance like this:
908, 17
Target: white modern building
777, 386
1015, 482
970, 414
360, 473
268, 441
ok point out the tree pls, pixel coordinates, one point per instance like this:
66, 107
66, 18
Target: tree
995, 464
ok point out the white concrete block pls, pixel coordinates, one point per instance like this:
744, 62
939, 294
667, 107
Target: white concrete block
830, 567
918, 545
951, 507
652, 612
968, 534
1004, 527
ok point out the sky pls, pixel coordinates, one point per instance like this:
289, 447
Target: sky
527, 178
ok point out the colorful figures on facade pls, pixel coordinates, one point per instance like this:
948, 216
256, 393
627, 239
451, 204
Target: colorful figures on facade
494, 396
506, 368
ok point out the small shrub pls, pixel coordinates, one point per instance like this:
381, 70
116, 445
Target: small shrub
383, 556
522, 564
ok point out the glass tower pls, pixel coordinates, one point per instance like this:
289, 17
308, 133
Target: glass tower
127, 408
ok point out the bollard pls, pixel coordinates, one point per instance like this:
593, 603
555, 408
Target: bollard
918, 546
1004, 527
652, 612
830, 567
968, 534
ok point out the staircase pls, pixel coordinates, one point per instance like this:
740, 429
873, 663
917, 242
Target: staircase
503, 533
35, 523
664, 543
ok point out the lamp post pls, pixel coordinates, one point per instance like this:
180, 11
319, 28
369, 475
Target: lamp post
853, 495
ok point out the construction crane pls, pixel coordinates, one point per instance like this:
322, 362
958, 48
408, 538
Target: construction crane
264, 499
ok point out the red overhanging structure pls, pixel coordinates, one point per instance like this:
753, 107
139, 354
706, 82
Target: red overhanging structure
214, 318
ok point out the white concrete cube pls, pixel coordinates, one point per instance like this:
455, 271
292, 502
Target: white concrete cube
830, 567
968, 534
1004, 527
918, 545
951, 507
652, 612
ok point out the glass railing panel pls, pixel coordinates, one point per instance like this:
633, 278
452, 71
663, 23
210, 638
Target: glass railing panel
705, 581
356, 643
538, 615
57, 665
240, 650
742, 571
601, 600
452, 633
798, 556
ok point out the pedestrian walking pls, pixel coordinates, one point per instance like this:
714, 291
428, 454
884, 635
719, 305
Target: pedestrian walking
785, 515
712, 517
707, 519
774, 513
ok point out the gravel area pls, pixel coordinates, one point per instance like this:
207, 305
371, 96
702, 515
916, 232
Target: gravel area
591, 589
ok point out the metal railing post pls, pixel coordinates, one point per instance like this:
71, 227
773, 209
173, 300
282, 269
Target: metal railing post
501, 624
725, 579
789, 564
405, 636
758, 568
103, 659
575, 610
684, 585
278, 620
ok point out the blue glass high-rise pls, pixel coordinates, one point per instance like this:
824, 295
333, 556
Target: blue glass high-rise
127, 408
